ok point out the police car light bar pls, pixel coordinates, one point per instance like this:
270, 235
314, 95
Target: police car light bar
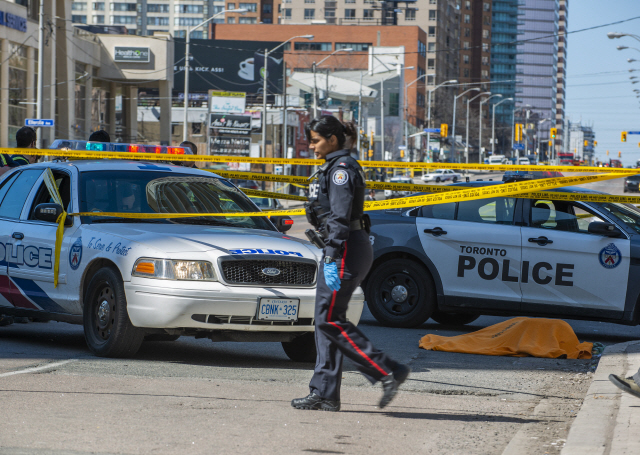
115, 147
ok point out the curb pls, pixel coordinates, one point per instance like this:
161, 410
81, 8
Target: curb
609, 420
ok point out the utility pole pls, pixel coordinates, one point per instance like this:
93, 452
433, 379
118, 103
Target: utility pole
382, 117
359, 115
40, 81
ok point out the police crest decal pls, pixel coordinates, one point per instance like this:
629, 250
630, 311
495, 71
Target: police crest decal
75, 254
340, 177
610, 256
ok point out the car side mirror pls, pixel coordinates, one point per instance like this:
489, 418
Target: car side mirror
282, 223
603, 228
48, 212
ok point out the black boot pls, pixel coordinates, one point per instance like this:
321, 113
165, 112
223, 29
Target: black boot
391, 383
314, 402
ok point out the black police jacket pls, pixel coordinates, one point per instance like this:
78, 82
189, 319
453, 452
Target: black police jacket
339, 189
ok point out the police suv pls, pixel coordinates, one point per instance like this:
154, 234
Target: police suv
505, 256
225, 278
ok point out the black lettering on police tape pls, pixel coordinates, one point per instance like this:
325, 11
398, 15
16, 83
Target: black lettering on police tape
561, 273
535, 273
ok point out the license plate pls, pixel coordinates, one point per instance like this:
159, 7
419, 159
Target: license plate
278, 309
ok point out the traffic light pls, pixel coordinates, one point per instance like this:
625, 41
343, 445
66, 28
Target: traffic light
370, 153
586, 143
549, 143
518, 132
623, 136
401, 153
595, 143
607, 152
553, 132
444, 130
619, 154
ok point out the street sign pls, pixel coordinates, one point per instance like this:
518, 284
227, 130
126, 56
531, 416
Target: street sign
432, 130
633, 132
518, 146
39, 122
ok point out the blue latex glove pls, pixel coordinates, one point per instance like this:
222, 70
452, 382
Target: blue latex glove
331, 276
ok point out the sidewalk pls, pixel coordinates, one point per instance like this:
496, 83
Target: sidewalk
609, 419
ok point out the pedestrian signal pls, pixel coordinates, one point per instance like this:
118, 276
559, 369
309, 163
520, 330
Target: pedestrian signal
444, 130
553, 132
623, 136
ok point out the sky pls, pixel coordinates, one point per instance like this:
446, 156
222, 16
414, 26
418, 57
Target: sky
605, 101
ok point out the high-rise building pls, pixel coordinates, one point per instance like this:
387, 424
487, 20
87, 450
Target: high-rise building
537, 66
504, 37
146, 17
562, 70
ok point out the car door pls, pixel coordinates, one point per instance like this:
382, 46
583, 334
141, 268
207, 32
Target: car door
566, 269
6, 229
476, 247
34, 276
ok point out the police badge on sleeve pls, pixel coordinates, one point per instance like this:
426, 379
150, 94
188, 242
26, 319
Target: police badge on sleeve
610, 256
340, 177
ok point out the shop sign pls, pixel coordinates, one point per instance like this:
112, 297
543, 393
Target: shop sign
13, 21
227, 102
230, 124
131, 54
229, 145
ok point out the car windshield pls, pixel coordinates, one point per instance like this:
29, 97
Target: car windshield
634, 178
165, 192
627, 213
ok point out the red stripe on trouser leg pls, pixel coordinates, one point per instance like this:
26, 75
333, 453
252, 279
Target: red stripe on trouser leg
333, 297
358, 350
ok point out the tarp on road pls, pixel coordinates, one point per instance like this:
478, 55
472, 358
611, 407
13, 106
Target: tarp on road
517, 337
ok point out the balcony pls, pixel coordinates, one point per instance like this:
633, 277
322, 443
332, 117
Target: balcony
330, 4
360, 21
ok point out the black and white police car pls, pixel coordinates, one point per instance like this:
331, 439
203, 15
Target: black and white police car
224, 278
505, 256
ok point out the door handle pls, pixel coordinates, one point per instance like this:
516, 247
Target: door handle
542, 241
436, 231
17, 235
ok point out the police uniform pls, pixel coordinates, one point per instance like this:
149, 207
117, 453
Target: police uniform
19, 160
338, 199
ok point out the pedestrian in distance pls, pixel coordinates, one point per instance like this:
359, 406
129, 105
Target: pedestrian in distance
371, 196
189, 149
100, 136
335, 209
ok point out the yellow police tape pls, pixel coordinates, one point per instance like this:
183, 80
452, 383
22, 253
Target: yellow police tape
269, 194
507, 189
305, 161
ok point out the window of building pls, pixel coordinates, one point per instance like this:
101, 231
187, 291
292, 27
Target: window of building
123, 7
357, 47
309, 1
467, 32
247, 20
485, 33
431, 79
349, 13
465, 59
467, 19
189, 9
420, 72
422, 48
420, 100
309, 14
485, 47
433, 2
231, 6
432, 47
77, 6
159, 21
267, 20
467, 4
432, 31
485, 60
465, 45
394, 104
487, 20
311, 46
367, 14
98, 6
431, 63
287, 13
329, 13
267, 8
465, 72
98, 18
485, 74
77, 19
250, 7
232, 20
486, 6
181, 21
432, 15
17, 92
410, 14
349, 1
157, 8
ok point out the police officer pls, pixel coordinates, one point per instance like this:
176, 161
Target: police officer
25, 139
335, 208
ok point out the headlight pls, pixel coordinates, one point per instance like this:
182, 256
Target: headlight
170, 269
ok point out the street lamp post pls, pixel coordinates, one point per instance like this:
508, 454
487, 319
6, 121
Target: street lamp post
466, 149
614, 35
314, 65
452, 81
453, 126
186, 65
493, 124
480, 126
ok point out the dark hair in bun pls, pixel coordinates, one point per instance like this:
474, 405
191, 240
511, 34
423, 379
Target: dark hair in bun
328, 125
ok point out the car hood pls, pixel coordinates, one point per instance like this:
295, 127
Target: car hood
172, 238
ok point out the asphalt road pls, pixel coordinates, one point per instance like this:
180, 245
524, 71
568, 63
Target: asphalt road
200, 397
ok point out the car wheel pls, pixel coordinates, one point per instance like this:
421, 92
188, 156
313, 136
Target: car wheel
625, 190
400, 293
107, 327
302, 348
453, 318
437, 179
455, 179
160, 337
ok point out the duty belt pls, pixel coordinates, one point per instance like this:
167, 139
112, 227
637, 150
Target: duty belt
356, 225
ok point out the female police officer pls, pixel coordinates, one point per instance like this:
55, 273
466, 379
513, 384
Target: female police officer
335, 207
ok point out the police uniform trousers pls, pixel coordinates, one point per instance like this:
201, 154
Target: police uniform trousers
335, 336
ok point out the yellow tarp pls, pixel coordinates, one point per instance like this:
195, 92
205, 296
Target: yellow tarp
517, 337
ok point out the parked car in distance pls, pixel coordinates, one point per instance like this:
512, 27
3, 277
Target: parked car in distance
441, 175
524, 161
497, 159
631, 184
388, 194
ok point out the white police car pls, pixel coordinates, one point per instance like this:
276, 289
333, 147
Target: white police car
505, 256
225, 278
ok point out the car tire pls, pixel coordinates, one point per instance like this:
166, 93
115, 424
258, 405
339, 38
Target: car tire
437, 179
415, 295
107, 327
455, 179
453, 318
625, 190
160, 337
302, 348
